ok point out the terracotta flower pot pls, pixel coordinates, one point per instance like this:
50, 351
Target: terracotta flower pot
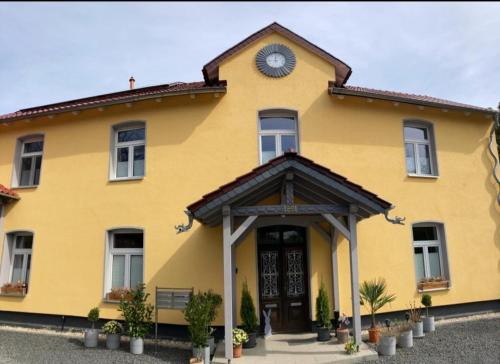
373, 335
237, 350
343, 336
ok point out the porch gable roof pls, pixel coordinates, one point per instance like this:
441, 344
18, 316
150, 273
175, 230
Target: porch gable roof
7, 194
312, 183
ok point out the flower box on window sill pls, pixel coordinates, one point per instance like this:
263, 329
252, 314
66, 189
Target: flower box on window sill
16, 289
116, 295
433, 284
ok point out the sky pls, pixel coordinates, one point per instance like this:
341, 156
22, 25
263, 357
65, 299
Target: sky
52, 52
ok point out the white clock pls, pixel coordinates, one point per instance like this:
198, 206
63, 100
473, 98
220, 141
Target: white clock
275, 60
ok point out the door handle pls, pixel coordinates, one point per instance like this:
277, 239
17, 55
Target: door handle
296, 304
271, 305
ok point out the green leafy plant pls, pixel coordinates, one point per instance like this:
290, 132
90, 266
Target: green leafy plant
214, 302
373, 294
323, 308
427, 302
351, 347
415, 312
247, 310
137, 312
93, 316
198, 313
239, 337
112, 327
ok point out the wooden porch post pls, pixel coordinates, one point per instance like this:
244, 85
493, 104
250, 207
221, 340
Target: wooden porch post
353, 255
335, 268
228, 284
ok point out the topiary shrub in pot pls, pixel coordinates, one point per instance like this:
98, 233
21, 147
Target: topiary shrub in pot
138, 317
415, 314
92, 334
387, 343
323, 314
214, 301
198, 315
373, 295
113, 330
248, 317
428, 321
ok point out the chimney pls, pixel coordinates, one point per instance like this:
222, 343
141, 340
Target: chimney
132, 82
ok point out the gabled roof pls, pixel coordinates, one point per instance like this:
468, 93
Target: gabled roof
8, 193
402, 97
312, 182
211, 69
138, 94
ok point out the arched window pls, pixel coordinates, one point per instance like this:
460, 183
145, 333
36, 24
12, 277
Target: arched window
16, 260
28, 161
128, 150
278, 133
420, 148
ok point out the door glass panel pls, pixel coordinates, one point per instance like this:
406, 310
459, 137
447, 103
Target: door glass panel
419, 263
277, 123
415, 133
24, 241
38, 165
118, 272
270, 237
17, 268
122, 162
295, 273
410, 158
434, 261
292, 237
135, 270
288, 143
424, 159
25, 171
268, 144
139, 160
131, 135
269, 274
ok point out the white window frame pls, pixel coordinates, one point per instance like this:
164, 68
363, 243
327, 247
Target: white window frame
425, 245
277, 133
24, 252
130, 145
127, 252
8, 253
22, 154
430, 142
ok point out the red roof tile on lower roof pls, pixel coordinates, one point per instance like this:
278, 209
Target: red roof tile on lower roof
4, 191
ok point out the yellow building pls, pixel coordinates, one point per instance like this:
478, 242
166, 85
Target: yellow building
94, 188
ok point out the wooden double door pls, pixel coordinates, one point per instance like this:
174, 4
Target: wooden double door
283, 277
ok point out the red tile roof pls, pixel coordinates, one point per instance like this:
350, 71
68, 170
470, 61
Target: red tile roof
404, 98
115, 98
7, 192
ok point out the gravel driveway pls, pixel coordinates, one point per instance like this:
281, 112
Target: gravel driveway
472, 341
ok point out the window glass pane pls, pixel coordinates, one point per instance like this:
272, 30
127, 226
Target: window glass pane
128, 241
415, 133
38, 165
28, 269
25, 171
424, 233
410, 158
139, 160
278, 123
122, 162
292, 237
268, 147
135, 270
269, 236
434, 262
33, 147
17, 268
419, 263
24, 241
424, 159
131, 135
118, 272
288, 143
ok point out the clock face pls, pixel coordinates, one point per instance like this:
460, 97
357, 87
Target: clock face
275, 60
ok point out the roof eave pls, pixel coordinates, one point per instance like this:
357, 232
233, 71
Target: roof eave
10, 197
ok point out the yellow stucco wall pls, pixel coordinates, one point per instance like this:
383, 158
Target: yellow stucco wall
195, 145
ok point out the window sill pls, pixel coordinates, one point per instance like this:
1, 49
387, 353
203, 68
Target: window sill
433, 289
24, 187
19, 295
412, 175
112, 302
126, 179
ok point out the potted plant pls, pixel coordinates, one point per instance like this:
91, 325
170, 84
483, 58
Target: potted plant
373, 294
323, 314
17, 289
351, 347
248, 317
415, 317
113, 330
198, 314
387, 342
214, 301
428, 321
343, 330
92, 334
405, 334
239, 338
117, 294
137, 314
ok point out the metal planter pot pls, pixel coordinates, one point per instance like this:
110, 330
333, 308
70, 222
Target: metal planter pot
428, 324
405, 339
211, 344
252, 341
136, 345
91, 336
113, 341
323, 334
387, 345
418, 330
203, 353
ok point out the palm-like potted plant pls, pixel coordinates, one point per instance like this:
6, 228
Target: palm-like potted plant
92, 334
113, 330
373, 293
343, 329
428, 321
198, 315
137, 313
248, 317
323, 314
415, 314
214, 301
239, 338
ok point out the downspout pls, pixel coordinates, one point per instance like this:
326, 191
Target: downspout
494, 155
